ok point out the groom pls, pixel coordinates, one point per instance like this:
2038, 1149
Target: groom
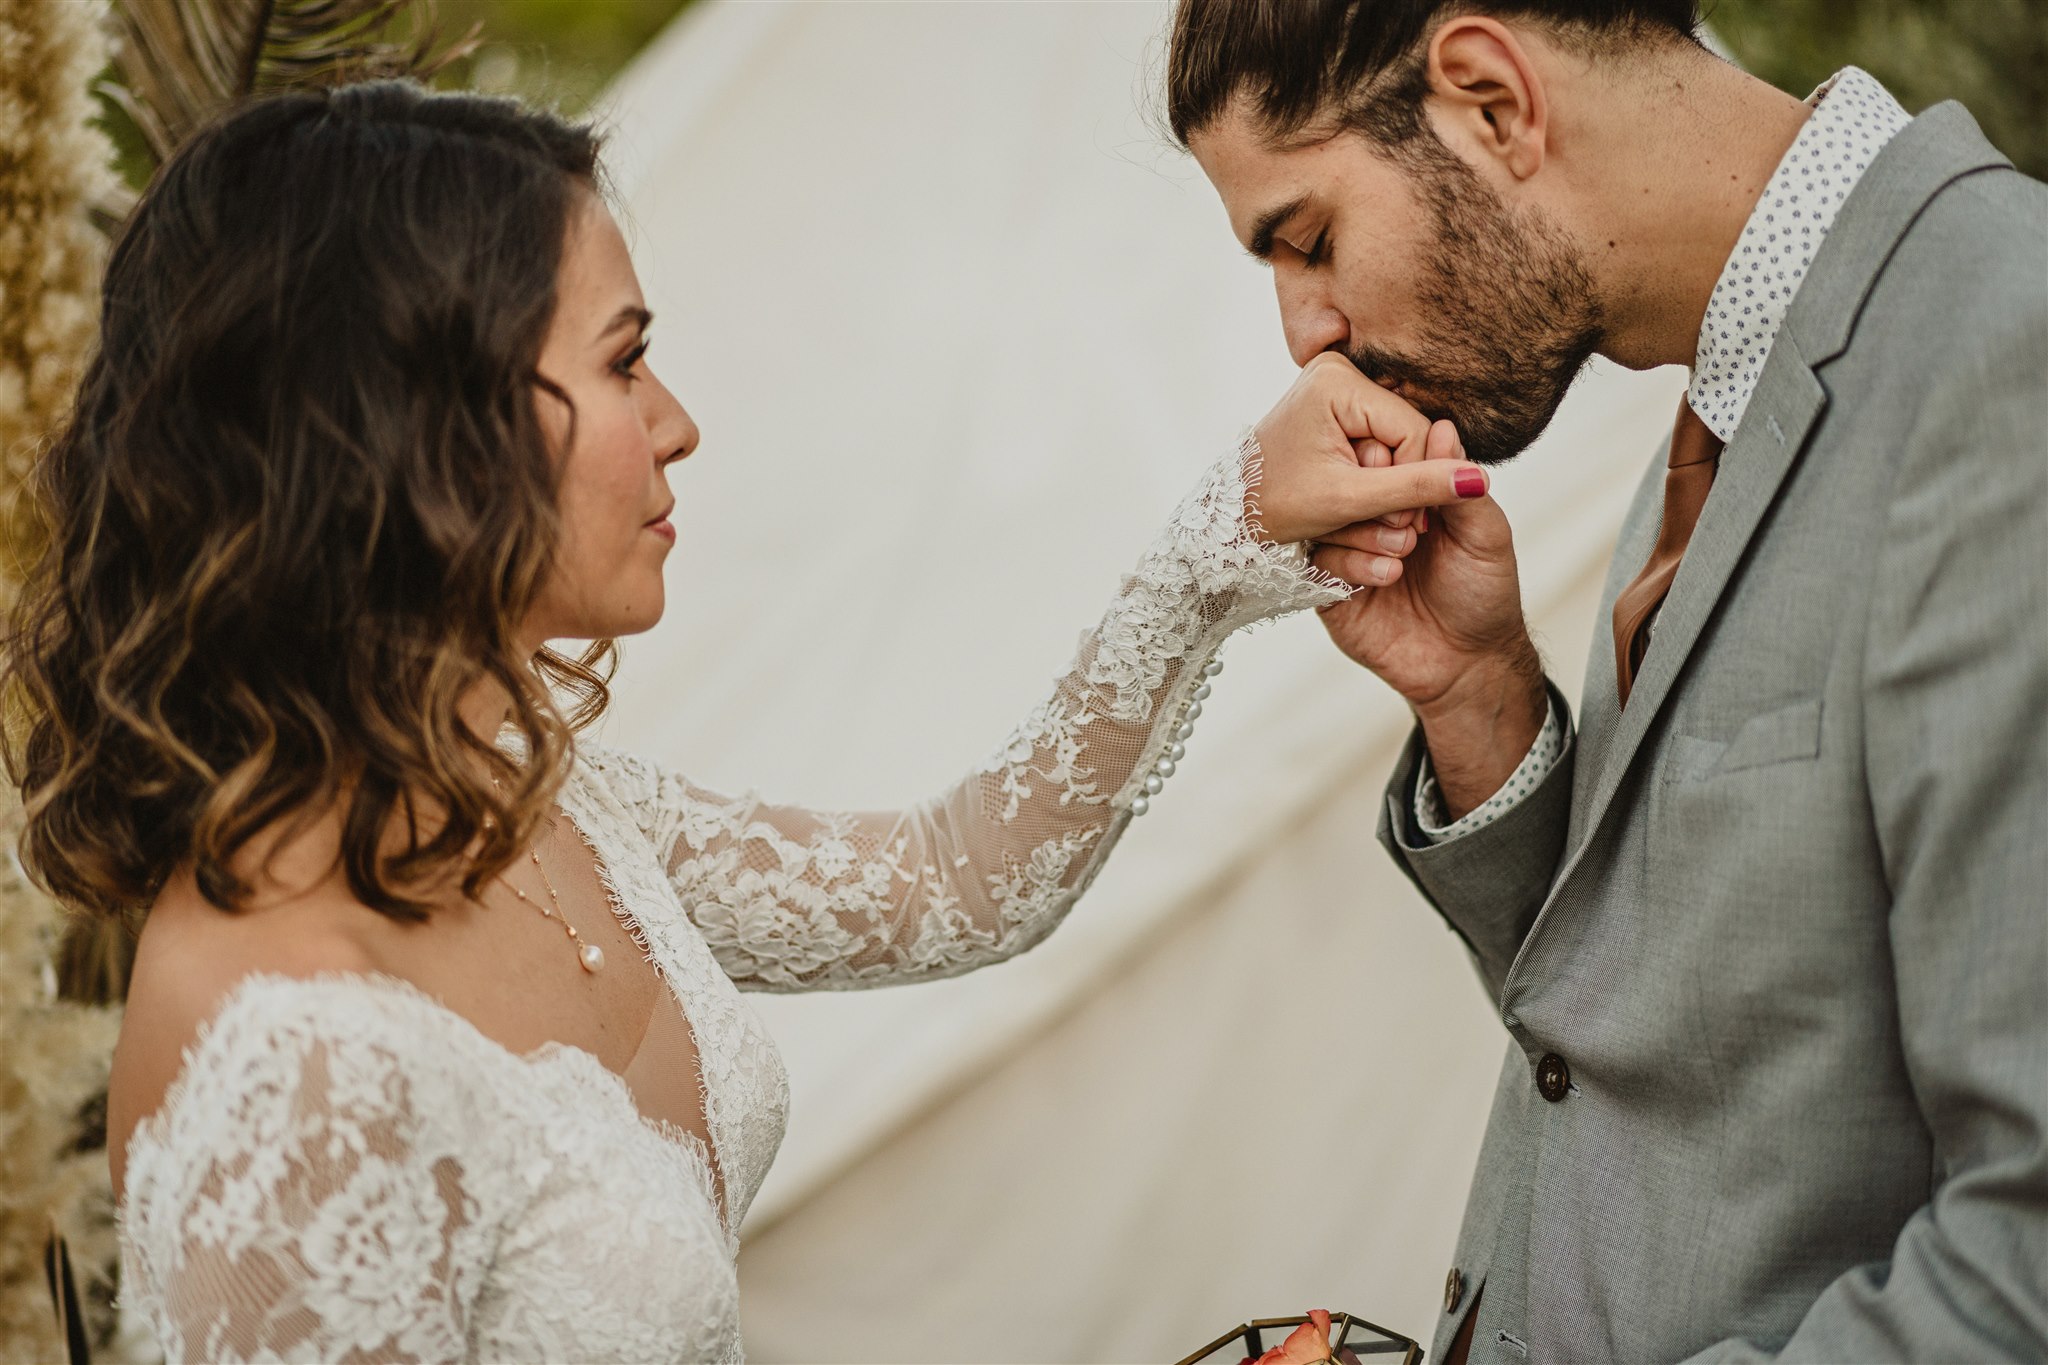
1767, 920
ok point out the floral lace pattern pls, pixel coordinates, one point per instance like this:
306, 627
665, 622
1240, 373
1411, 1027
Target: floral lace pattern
347, 1170
740, 1074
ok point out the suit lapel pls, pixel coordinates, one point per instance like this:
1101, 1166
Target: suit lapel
1927, 156
1781, 414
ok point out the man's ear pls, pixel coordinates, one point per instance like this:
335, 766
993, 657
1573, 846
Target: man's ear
1490, 99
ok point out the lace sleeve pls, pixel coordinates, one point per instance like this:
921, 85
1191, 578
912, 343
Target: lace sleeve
792, 899
300, 1204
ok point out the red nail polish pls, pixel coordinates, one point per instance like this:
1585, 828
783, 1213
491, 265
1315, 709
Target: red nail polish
1470, 483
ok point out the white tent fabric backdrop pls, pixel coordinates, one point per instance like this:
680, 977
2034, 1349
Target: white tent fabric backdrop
960, 327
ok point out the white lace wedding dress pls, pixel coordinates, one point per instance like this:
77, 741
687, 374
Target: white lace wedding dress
347, 1170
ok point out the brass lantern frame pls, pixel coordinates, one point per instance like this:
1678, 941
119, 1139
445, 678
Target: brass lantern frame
1253, 1336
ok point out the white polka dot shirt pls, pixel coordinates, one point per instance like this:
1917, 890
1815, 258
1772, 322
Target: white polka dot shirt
1853, 118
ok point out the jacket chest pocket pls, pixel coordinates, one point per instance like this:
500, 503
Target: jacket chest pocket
1787, 734
1740, 830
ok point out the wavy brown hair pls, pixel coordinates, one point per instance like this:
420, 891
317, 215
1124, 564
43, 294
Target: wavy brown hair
301, 507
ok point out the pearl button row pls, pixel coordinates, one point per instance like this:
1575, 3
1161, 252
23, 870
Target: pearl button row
1155, 781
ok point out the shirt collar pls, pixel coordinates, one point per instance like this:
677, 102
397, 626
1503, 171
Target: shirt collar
1853, 118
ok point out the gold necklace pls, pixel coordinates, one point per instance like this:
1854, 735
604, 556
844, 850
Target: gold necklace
589, 954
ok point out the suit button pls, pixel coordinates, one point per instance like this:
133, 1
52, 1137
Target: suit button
1553, 1077
1454, 1290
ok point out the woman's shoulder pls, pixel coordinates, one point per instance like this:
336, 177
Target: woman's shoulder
219, 1014
654, 799
265, 1110
633, 780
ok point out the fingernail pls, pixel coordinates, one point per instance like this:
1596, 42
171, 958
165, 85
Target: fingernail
1393, 541
1382, 570
1470, 483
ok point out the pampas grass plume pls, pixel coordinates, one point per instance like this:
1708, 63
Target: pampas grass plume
54, 1054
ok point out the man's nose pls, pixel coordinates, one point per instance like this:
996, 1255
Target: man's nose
1310, 322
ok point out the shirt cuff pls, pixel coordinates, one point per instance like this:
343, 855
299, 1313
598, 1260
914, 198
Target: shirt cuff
1542, 757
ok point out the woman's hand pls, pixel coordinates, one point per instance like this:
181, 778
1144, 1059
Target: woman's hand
1313, 481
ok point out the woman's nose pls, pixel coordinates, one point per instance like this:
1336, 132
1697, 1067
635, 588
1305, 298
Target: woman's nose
673, 430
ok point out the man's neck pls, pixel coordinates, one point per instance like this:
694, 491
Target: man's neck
1676, 163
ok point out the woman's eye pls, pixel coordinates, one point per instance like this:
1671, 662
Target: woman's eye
1314, 255
625, 363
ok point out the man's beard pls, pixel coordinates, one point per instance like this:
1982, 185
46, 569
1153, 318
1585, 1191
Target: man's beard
1508, 314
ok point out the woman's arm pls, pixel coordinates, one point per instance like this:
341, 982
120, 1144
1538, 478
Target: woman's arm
792, 899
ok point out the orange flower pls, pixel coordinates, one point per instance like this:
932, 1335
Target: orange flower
1308, 1344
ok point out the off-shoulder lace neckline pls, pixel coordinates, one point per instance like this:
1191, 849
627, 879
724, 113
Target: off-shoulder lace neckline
153, 1129
704, 1155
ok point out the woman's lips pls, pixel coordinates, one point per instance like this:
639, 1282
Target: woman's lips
663, 529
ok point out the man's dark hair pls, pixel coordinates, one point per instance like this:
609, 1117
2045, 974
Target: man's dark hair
1363, 63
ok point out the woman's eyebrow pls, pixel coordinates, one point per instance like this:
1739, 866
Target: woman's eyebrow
632, 313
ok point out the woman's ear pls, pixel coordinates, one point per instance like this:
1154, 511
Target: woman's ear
1489, 94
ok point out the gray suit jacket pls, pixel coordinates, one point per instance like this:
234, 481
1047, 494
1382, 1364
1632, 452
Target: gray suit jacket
1781, 926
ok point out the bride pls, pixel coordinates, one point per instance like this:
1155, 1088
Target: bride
434, 1046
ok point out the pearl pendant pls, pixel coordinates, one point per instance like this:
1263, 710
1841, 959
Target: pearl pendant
592, 957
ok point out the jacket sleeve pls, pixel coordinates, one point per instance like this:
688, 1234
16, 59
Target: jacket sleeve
1488, 883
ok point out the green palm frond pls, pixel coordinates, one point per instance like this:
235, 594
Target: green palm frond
182, 61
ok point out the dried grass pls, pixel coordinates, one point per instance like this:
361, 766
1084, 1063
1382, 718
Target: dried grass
54, 167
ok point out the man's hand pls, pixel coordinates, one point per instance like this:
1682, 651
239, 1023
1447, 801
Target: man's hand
1439, 617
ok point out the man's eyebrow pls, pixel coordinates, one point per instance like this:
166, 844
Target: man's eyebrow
1269, 223
632, 313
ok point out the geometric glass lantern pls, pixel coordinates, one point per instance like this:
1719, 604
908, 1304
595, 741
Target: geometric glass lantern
1353, 1341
